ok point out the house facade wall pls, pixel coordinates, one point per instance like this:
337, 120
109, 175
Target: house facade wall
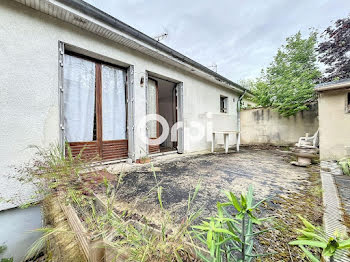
266, 126
29, 101
334, 125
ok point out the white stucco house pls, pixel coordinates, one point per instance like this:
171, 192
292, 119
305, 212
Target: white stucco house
71, 72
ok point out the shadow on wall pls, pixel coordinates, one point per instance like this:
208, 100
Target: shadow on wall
16, 231
266, 126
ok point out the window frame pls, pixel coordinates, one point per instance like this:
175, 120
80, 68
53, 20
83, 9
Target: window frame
223, 101
98, 142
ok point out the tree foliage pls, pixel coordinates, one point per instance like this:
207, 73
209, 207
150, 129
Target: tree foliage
334, 51
288, 82
247, 83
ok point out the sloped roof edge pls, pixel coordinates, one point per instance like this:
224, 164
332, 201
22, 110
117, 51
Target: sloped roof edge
334, 85
99, 15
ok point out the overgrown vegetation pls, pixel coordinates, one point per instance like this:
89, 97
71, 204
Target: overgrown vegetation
288, 83
121, 235
51, 171
234, 234
125, 238
142, 242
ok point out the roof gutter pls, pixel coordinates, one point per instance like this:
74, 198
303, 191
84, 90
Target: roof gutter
333, 87
97, 14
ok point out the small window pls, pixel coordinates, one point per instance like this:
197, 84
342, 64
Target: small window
348, 104
223, 104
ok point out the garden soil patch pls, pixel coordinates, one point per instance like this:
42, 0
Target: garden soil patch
291, 190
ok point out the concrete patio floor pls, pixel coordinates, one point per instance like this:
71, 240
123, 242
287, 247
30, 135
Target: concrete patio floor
268, 171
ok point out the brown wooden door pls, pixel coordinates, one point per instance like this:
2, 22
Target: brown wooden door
100, 148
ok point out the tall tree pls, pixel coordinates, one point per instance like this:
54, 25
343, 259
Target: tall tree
334, 51
288, 83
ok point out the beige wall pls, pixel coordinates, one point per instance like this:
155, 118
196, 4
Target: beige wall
266, 126
334, 125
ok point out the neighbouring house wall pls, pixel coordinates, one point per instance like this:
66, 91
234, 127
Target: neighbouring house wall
334, 125
266, 126
29, 100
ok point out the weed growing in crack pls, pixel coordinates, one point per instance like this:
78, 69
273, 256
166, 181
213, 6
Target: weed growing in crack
312, 237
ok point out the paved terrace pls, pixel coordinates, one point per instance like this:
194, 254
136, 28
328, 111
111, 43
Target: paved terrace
268, 171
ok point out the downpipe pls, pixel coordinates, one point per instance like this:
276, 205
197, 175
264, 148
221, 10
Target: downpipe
239, 115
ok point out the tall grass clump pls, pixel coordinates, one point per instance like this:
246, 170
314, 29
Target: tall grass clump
53, 169
167, 241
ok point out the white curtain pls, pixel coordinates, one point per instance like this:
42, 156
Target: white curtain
79, 99
113, 103
152, 107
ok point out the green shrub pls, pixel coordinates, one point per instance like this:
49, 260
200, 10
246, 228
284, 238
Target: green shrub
345, 166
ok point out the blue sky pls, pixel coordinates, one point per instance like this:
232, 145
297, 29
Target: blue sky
240, 36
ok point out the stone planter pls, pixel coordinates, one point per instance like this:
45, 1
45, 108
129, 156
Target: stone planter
304, 156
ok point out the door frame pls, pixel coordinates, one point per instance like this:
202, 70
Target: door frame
179, 110
153, 149
129, 102
131, 111
180, 117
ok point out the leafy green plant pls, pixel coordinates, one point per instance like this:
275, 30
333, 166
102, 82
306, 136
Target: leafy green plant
314, 237
7, 259
230, 236
2, 249
345, 166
